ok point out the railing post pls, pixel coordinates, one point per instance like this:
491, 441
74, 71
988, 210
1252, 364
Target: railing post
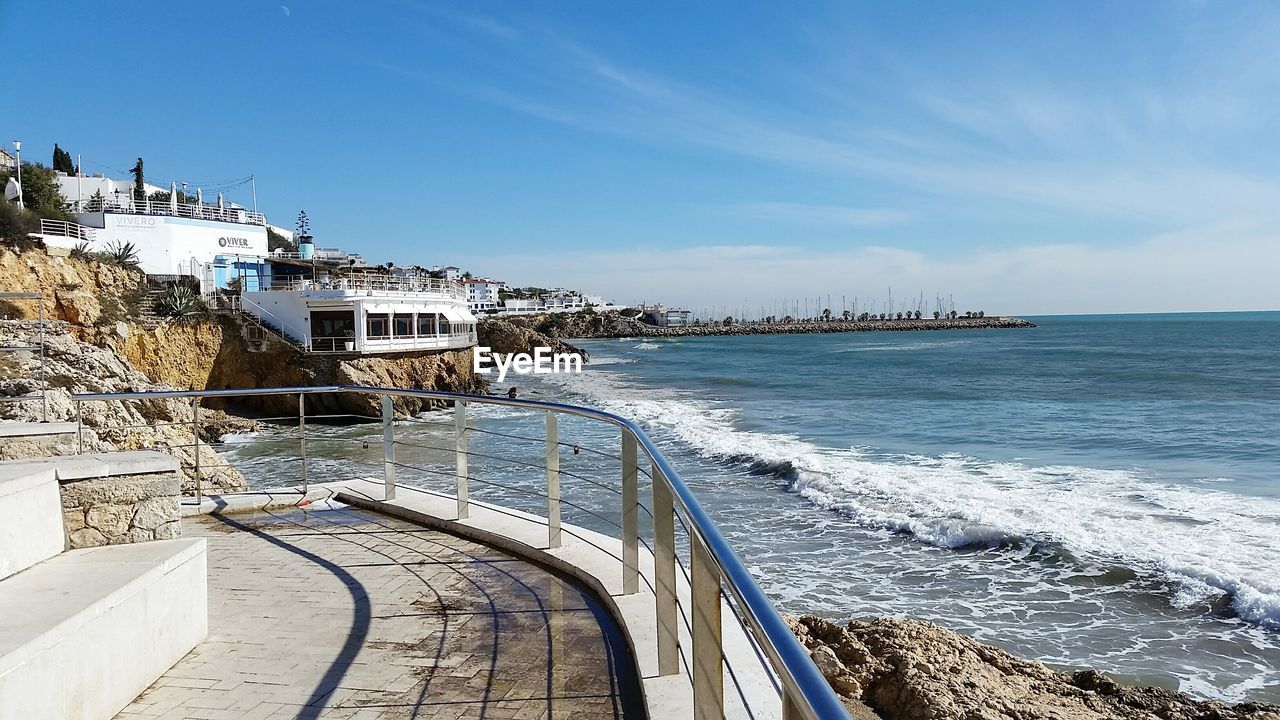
460, 436
302, 440
790, 711
664, 570
79, 428
553, 481
630, 515
388, 448
195, 436
708, 673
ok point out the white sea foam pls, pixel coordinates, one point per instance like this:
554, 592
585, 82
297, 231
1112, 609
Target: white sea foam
648, 346
1206, 541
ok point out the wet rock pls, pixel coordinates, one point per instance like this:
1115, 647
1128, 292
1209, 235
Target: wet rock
914, 670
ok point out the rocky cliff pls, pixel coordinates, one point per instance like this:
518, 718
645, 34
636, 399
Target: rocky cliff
74, 366
914, 670
99, 304
505, 336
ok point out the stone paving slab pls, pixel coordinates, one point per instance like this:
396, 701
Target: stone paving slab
347, 614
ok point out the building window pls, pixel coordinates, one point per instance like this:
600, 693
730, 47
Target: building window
379, 327
404, 325
426, 324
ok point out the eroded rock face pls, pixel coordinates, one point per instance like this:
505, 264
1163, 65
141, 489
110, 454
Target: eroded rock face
72, 366
504, 336
87, 294
915, 670
121, 510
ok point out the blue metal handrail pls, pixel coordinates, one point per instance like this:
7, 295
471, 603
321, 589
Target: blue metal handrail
805, 693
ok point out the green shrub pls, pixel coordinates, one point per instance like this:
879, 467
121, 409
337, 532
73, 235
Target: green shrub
16, 224
182, 304
124, 254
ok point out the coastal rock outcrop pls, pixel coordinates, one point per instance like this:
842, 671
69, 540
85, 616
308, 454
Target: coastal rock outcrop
915, 670
72, 366
505, 336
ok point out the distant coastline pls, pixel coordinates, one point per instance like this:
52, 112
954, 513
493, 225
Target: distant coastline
585, 325
835, 326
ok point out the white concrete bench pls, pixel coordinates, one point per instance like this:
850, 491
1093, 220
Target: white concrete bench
36, 429
82, 634
30, 516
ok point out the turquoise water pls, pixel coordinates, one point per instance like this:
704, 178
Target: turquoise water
1099, 491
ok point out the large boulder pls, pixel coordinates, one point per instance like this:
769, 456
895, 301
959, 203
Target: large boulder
915, 670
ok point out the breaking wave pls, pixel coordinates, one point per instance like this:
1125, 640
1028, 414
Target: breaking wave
1215, 548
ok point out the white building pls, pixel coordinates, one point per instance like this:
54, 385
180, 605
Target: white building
214, 243
482, 293
80, 190
366, 314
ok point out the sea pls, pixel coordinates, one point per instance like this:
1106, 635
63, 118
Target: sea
1098, 491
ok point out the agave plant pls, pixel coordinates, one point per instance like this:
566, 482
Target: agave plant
81, 251
124, 254
182, 304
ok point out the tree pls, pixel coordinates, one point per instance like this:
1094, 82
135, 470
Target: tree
727, 321
40, 192
96, 202
62, 160
139, 184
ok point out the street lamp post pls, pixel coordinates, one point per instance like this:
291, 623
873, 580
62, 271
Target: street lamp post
17, 148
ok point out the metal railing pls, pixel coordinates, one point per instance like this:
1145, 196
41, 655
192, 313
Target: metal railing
268, 320
363, 283
38, 347
195, 211
714, 571
62, 228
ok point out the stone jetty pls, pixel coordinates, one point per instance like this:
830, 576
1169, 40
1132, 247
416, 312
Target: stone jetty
615, 325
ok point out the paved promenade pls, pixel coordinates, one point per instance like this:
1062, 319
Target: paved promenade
341, 613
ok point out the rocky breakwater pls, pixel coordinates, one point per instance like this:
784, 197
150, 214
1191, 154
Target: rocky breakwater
72, 366
615, 325
839, 326
915, 670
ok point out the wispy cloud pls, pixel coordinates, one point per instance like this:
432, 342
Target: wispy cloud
1196, 269
833, 215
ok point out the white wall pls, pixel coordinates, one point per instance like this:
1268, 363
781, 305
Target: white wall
30, 517
166, 245
287, 308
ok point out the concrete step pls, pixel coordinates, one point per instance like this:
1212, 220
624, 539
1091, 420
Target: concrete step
83, 634
36, 429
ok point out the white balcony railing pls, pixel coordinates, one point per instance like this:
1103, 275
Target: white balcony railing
185, 210
61, 228
376, 283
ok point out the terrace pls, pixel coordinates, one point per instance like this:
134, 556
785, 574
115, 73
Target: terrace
425, 583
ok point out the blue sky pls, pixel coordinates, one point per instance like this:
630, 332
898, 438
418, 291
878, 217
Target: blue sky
1022, 157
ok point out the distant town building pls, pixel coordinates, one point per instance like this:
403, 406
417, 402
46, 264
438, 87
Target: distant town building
663, 316
482, 293
8, 163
